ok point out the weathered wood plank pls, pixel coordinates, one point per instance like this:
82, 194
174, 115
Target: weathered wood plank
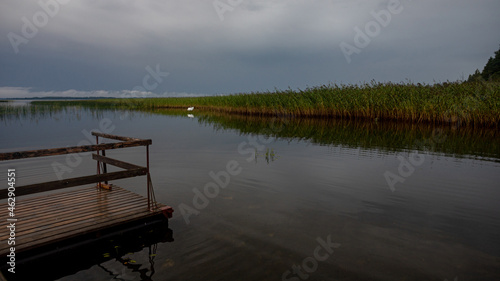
38, 228
115, 137
61, 207
55, 224
48, 199
114, 162
84, 227
69, 150
30, 213
53, 185
41, 208
65, 220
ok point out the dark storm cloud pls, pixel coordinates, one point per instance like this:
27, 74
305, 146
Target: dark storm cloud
94, 47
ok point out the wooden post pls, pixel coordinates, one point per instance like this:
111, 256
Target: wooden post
98, 163
148, 177
104, 167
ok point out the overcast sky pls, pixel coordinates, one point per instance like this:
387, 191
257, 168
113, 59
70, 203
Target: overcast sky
188, 47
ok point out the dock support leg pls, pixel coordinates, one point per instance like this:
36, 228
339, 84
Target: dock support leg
104, 167
148, 177
98, 163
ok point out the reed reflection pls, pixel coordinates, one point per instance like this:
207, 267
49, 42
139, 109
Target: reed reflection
385, 136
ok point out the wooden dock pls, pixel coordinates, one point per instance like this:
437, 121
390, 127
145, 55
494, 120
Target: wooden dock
57, 217
88, 211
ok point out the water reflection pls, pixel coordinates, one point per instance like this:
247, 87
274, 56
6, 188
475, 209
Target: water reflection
26, 111
459, 141
314, 178
23, 110
129, 256
385, 136
269, 155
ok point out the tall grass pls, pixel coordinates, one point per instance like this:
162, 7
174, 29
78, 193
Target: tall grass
476, 104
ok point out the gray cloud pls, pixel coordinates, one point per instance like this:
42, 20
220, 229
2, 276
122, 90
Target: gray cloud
105, 46
22, 92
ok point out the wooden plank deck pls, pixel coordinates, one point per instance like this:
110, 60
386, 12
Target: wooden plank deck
48, 219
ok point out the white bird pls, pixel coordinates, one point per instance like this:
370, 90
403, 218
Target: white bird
190, 108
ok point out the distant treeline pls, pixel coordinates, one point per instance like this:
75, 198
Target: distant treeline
57, 98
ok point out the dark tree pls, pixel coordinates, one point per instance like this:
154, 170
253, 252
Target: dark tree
476, 77
491, 71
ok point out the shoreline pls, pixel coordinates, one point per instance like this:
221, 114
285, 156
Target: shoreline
466, 104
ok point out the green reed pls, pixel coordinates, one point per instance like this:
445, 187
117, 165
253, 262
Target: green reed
476, 104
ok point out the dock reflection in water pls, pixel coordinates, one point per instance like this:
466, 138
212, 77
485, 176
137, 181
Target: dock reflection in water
132, 254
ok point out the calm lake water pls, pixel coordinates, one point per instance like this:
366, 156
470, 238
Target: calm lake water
301, 199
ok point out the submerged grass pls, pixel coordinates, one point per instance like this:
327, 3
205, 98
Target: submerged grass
476, 104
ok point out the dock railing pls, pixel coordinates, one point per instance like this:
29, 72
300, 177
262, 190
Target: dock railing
131, 170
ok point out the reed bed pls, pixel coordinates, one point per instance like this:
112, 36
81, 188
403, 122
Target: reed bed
476, 104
